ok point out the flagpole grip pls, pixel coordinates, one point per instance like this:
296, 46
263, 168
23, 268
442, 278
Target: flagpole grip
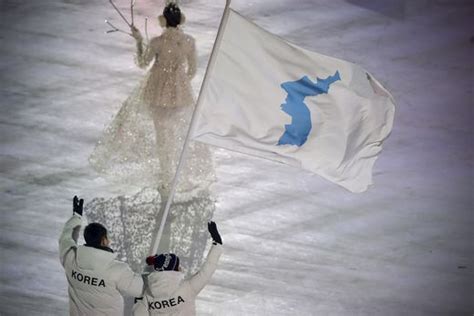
156, 240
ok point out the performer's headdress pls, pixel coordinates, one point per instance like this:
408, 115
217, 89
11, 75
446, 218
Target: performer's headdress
172, 15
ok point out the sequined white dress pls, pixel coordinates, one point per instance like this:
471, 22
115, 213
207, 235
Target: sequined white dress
143, 143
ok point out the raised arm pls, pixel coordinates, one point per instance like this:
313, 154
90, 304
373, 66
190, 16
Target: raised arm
70, 233
200, 279
144, 54
129, 283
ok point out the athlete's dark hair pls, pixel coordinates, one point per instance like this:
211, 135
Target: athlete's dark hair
172, 14
93, 234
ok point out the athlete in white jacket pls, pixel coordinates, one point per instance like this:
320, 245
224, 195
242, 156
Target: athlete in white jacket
167, 293
96, 280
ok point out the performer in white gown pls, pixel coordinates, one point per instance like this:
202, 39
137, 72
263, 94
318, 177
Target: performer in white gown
142, 145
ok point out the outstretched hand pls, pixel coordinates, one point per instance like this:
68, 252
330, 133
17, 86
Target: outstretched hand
212, 227
136, 33
77, 205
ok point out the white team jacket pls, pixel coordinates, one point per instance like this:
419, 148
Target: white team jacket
167, 293
96, 280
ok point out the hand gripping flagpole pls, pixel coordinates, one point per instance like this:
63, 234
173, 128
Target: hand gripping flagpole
156, 240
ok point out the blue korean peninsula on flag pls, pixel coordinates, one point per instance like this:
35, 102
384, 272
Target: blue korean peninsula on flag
269, 98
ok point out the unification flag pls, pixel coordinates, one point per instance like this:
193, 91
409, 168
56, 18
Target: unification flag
272, 99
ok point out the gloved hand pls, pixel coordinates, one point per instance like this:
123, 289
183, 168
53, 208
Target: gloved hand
212, 227
77, 205
136, 33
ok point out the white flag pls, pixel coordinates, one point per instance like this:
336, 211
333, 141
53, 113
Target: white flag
269, 98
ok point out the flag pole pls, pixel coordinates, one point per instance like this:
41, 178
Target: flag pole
156, 239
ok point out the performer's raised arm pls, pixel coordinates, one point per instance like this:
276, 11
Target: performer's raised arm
144, 54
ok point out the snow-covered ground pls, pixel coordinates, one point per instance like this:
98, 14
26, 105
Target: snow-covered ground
295, 243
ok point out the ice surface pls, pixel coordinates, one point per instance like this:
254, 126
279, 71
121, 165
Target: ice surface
295, 244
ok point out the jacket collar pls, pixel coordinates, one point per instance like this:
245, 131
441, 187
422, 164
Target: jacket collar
100, 247
90, 258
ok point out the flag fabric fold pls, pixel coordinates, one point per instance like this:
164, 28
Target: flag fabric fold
272, 99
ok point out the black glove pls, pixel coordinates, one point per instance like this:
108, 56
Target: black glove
212, 227
77, 205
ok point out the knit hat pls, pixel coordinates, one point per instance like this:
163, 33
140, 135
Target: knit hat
164, 262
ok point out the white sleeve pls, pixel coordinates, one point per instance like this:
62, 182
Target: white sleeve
69, 235
129, 283
144, 54
200, 279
